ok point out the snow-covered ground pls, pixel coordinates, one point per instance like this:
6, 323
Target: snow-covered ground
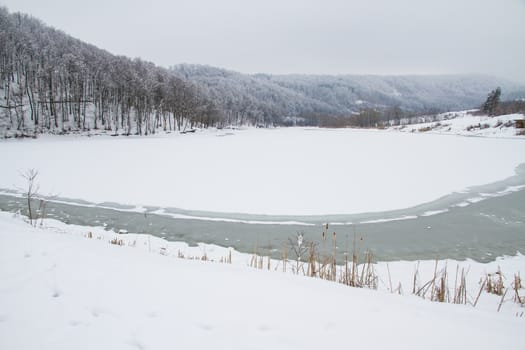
278, 171
66, 287
466, 124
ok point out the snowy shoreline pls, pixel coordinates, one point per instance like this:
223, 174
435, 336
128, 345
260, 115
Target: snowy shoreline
83, 287
401, 271
463, 123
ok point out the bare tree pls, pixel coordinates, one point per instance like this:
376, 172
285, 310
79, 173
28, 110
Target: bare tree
32, 189
299, 247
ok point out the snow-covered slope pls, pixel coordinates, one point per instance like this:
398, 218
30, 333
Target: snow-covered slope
303, 95
464, 123
63, 290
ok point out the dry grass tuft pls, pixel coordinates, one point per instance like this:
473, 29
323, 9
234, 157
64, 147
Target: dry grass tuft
494, 283
117, 241
516, 286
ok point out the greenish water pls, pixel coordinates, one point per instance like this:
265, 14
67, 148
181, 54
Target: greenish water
481, 231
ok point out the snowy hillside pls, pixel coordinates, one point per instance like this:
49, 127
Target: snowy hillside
464, 123
65, 287
307, 95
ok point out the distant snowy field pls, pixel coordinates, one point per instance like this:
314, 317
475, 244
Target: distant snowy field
261, 171
462, 123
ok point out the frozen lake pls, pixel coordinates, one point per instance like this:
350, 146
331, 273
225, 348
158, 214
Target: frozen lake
409, 196
291, 171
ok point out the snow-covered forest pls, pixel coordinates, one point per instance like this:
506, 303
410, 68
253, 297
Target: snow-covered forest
318, 99
52, 82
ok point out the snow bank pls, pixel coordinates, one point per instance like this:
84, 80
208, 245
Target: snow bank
281, 171
462, 123
62, 290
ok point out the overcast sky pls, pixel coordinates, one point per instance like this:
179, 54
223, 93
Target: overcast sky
302, 36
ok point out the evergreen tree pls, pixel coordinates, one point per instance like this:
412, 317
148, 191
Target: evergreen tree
491, 104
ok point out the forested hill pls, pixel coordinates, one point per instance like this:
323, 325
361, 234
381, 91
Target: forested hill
311, 96
52, 82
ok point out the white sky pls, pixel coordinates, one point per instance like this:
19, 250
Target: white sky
302, 36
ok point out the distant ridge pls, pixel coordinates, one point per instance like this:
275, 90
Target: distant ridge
302, 94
